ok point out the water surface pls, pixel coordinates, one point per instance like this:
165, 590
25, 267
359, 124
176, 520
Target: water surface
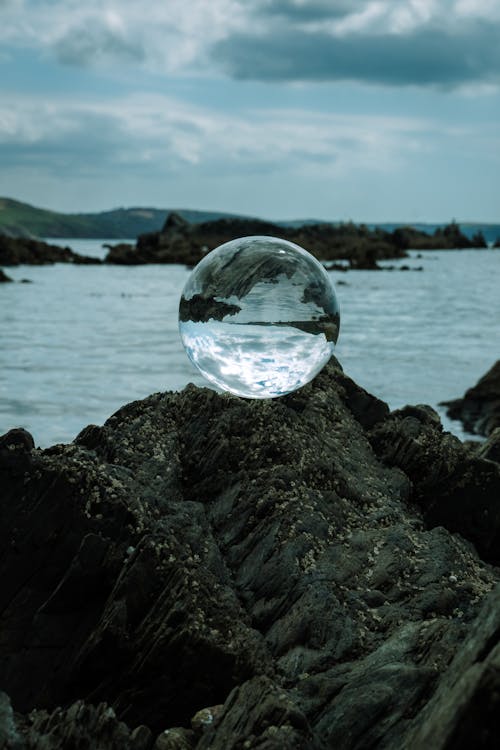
81, 341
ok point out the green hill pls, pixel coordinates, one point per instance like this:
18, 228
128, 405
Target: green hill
22, 220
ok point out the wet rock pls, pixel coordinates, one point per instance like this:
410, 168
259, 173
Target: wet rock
16, 251
309, 567
4, 278
479, 409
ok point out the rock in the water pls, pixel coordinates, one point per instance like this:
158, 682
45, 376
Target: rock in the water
224, 573
479, 409
15, 251
4, 278
182, 242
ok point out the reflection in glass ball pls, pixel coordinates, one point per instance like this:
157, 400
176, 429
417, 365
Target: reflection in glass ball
258, 317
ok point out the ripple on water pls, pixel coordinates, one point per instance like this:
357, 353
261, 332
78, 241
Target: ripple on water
83, 340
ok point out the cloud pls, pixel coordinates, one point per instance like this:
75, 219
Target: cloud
425, 57
154, 134
424, 42
166, 37
304, 11
91, 44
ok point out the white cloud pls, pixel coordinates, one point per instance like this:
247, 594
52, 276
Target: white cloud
169, 36
487, 10
177, 37
165, 134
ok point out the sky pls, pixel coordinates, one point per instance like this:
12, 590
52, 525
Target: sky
370, 110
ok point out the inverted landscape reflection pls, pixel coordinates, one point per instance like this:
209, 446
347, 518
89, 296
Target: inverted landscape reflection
259, 317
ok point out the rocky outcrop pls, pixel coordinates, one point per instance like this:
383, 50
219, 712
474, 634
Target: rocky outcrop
4, 278
15, 251
200, 308
205, 571
182, 242
449, 237
479, 408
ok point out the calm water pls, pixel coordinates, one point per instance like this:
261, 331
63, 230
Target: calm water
81, 341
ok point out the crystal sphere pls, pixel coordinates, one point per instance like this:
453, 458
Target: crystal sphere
258, 317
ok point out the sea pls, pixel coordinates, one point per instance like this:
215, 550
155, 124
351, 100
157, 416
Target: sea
78, 342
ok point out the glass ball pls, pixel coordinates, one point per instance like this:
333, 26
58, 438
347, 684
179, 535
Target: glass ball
258, 317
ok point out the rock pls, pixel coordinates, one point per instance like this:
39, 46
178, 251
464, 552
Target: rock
463, 711
4, 278
449, 237
17, 439
479, 409
122, 254
176, 738
15, 251
490, 449
201, 308
206, 718
79, 726
259, 714
181, 242
307, 567
453, 488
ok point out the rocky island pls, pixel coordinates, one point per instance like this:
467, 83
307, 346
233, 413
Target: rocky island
205, 571
15, 251
182, 242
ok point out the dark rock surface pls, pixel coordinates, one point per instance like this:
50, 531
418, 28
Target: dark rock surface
4, 278
207, 572
201, 308
479, 409
15, 251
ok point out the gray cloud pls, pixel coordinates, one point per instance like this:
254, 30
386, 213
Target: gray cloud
317, 10
86, 45
423, 57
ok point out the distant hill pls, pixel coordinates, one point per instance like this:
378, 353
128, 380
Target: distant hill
22, 220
